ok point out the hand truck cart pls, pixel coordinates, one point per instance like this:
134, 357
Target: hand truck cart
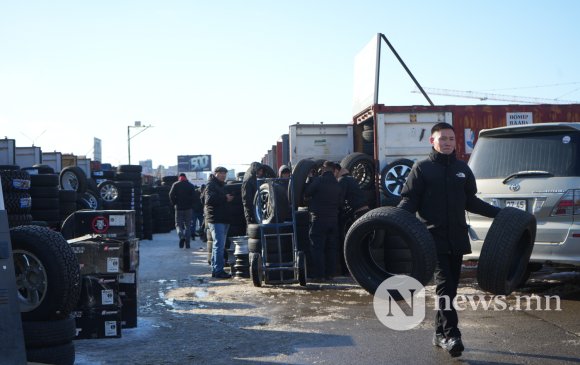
279, 260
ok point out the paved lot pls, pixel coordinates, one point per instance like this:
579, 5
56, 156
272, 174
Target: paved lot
186, 317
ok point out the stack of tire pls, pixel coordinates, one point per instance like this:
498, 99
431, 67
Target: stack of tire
45, 195
77, 191
17, 200
163, 218
148, 215
277, 250
132, 173
48, 297
368, 137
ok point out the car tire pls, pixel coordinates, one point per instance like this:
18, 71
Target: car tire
362, 168
394, 176
382, 230
506, 251
42, 251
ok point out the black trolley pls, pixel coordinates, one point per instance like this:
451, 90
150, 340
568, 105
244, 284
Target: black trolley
277, 260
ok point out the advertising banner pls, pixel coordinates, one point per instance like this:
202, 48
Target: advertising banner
193, 163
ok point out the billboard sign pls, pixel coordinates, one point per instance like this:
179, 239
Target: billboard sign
193, 163
366, 76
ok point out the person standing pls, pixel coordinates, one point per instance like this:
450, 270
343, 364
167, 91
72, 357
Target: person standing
181, 195
440, 189
325, 202
249, 188
355, 205
197, 220
216, 216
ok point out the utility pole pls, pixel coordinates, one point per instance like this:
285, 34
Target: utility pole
129, 137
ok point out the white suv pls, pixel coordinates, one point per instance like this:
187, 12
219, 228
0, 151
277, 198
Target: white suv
535, 168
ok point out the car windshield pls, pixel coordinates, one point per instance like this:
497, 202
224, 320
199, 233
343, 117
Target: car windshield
502, 155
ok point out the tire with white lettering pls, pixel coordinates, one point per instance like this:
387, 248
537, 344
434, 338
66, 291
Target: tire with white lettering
15, 180
506, 251
47, 273
389, 241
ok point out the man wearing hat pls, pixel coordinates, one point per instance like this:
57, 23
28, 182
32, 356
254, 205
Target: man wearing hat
181, 196
216, 216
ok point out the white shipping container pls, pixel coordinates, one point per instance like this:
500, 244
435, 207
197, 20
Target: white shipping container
320, 141
28, 156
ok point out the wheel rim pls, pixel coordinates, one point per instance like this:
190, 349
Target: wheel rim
363, 173
262, 206
109, 192
396, 178
92, 200
70, 181
31, 280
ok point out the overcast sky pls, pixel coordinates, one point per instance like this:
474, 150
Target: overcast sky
228, 77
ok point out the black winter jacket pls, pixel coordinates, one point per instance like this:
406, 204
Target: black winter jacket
352, 192
215, 200
441, 188
197, 203
181, 195
249, 188
326, 198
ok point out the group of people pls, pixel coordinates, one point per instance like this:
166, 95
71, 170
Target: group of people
439, 189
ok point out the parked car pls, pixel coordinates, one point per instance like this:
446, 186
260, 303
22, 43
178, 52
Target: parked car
535, 168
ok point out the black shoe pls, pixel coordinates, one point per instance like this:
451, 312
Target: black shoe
221, 275
181, 242
454, 346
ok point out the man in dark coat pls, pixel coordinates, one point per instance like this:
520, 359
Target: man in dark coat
355, 205
441, 188
325, 202
181, 195
217, 219
197, 220
249, 188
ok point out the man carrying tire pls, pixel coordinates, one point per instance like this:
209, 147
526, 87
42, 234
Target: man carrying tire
326, 199
249, 188
440, 188
217, 219
181, 196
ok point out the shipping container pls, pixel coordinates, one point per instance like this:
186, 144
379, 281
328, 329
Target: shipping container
28, 156
7, 151
68, 159
85, 164
400, 125
53, 159
320, 141
285, 149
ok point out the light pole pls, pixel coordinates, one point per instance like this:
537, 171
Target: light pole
129, 137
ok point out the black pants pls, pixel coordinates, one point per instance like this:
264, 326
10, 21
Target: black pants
447, 274
324, 247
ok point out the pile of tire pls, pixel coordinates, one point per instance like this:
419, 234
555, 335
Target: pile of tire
278, 250
163, 212
45, 195
48, 286
148, 215
506, 251
389, 241
132, 173
16, 190
73, 178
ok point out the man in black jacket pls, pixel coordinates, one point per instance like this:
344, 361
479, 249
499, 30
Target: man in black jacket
326, 199
249, 188
441, 188
181, 196
216, 217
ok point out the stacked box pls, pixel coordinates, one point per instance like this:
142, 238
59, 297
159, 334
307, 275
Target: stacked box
118, 224
98, 314
98, 255
128, 297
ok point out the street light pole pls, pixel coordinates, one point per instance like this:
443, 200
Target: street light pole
129, 138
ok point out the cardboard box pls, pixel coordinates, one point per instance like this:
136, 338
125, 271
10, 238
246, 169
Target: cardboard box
118, 224
99, 290
98, 322
98, 255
